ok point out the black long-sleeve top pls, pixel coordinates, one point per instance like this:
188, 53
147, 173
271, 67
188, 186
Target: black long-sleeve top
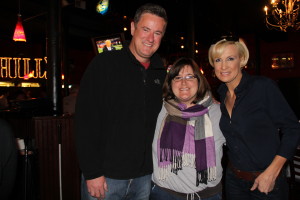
262, 124
115, 116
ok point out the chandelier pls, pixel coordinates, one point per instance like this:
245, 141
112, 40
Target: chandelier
283, 15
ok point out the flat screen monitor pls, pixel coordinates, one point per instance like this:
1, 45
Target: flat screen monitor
108, 43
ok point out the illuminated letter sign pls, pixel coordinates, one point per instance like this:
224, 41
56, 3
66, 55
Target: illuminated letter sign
21, 67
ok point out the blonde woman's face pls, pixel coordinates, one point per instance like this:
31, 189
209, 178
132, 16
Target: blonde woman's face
228, 66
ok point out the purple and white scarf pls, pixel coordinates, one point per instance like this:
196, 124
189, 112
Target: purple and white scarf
186, 139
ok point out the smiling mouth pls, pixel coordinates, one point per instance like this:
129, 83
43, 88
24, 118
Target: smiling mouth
184, 89
148, 45
224, 73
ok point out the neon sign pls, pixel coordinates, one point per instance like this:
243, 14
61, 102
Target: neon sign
14, 68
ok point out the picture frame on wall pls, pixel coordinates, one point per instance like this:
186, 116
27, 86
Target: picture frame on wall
282, 60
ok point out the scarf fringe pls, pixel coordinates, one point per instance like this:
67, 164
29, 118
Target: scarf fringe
176, 159
164, 172
173, 158
188, 160
207, 175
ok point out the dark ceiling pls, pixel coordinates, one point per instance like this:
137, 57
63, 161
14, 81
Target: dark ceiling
211, 18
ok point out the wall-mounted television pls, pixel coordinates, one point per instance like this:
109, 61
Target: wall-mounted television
108, 42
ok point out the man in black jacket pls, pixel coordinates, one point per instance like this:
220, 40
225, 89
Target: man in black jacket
119, 99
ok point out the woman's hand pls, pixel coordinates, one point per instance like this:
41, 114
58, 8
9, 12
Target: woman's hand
265, 182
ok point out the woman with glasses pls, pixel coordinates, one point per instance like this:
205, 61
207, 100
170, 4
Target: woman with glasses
260, 128
187, 146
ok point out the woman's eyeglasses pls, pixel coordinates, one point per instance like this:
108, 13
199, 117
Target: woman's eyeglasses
187, 78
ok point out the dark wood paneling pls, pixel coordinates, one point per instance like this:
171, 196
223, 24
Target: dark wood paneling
51, 134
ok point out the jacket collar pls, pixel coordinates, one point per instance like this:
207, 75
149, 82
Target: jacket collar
155, 60
241, 86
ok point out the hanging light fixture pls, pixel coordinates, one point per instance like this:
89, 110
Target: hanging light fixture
19, 34
283, 15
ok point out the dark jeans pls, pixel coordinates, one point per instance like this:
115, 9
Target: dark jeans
158, 193
131, 189
238, 189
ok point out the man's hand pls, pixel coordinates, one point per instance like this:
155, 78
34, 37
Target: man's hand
97, 187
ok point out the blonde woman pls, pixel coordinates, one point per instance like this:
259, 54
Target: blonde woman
253, 111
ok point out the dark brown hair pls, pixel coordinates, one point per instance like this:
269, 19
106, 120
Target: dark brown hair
203, 86
152, 9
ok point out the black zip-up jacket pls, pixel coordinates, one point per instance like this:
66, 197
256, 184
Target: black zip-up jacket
252, 132
116, 111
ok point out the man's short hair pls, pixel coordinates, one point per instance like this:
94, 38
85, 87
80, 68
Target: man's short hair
152, 9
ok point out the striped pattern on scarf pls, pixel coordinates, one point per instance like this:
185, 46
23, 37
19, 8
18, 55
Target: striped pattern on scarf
186, 139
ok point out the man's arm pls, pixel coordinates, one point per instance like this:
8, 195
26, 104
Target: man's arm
90, 123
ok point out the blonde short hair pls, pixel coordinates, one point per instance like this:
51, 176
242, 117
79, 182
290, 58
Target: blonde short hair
218, 48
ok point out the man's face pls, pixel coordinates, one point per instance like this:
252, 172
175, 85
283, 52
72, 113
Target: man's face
146, 36
108, 43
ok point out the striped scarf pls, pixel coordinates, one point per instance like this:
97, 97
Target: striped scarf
186, 139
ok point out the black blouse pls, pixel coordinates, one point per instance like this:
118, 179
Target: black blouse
261, 126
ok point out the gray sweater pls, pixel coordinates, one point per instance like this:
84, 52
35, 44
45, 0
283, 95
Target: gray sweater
185, 181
